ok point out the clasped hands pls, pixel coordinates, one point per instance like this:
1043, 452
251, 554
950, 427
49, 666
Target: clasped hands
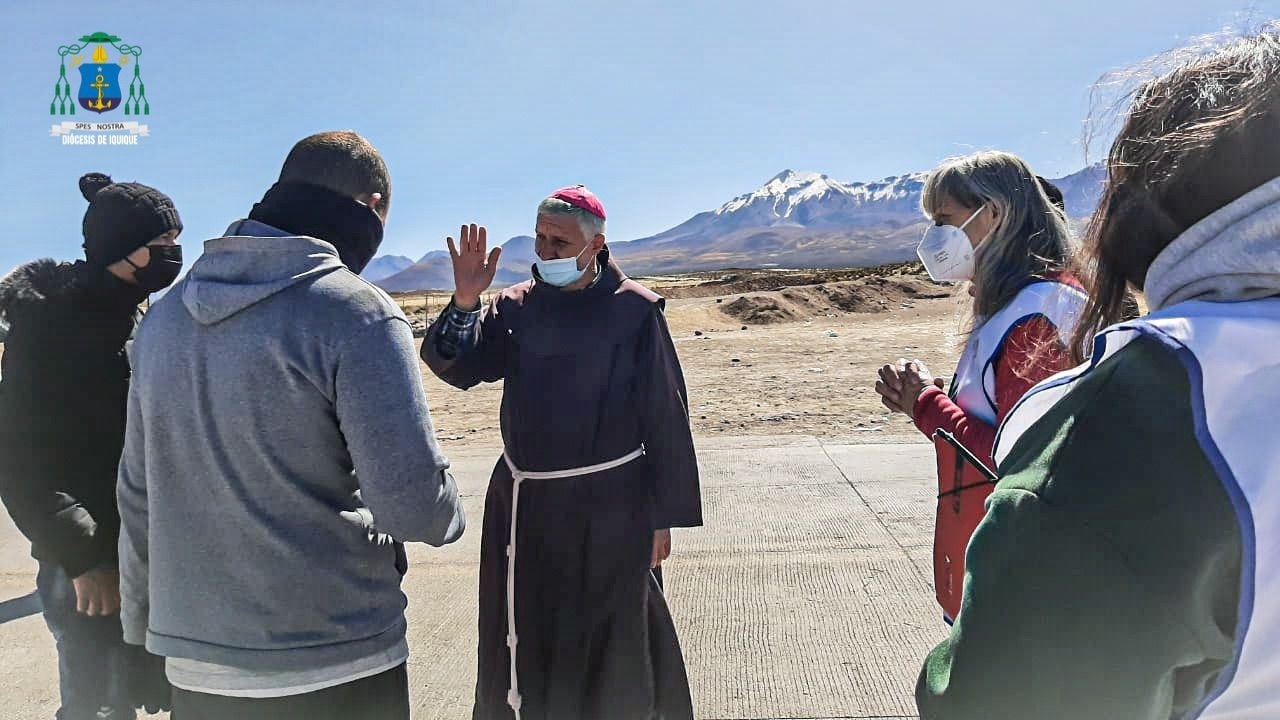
900, 385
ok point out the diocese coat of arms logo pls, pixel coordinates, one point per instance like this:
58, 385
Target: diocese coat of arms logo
100, 87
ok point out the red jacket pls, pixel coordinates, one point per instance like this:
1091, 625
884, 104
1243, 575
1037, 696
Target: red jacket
1032, 352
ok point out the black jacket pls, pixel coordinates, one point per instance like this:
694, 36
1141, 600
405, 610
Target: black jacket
64, 381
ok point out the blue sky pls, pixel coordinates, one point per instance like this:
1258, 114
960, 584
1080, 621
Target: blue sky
664, 107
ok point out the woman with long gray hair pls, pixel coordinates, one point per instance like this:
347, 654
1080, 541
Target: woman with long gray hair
994, 226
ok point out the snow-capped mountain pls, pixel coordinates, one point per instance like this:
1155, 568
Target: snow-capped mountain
796, 219
808, 199
809, 219
806, 212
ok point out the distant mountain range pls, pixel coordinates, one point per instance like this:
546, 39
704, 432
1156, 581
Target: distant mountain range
435, 270
797, 219
385, 266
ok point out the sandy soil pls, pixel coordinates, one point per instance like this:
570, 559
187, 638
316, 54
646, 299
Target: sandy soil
811, 375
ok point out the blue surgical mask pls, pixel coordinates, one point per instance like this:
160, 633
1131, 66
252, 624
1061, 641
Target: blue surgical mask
563, 271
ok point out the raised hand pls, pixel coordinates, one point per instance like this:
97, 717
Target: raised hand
473, 270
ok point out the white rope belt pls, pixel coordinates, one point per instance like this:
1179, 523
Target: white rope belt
519, 476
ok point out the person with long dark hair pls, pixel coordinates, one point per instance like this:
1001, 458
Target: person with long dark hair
1128, 555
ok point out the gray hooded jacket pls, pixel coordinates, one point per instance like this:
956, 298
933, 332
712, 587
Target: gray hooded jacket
277, 435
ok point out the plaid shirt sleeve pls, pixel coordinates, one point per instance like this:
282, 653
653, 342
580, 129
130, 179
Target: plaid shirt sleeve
457, 331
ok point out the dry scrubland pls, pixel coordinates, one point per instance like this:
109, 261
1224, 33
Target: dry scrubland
770, 352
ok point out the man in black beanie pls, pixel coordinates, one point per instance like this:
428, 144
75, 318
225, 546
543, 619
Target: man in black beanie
63, 388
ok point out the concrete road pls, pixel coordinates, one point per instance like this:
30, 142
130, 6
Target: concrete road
807, 595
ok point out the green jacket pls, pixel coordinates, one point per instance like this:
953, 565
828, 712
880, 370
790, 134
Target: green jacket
1104, 581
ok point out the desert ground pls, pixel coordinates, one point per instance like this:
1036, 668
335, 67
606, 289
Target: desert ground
770, 352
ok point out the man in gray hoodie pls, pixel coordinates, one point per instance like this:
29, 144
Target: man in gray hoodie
278, 439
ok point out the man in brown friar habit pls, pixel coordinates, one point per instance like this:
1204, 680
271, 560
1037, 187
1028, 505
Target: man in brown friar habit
598, 466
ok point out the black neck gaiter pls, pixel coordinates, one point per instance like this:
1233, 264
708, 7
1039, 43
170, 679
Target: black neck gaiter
314, 211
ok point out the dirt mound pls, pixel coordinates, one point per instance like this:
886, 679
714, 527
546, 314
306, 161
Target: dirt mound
873, 294
732, 282
760, 310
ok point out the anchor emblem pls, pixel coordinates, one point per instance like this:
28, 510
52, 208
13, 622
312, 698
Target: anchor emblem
99, 83
100, 89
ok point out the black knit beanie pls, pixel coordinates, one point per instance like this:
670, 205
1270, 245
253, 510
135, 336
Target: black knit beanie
122, 217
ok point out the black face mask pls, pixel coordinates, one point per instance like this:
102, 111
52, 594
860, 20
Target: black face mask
161, 270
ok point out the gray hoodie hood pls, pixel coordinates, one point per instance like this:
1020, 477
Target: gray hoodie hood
250, 264
1232, 255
